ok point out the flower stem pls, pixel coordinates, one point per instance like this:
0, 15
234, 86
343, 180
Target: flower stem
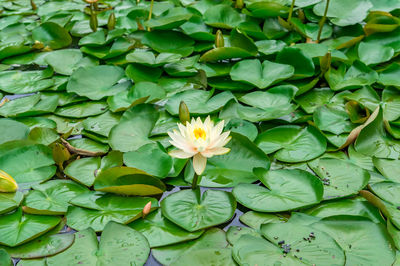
291, 11
150, 13
322, 21
194, 181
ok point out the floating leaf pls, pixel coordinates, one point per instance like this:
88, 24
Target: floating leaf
17, 228
161, 232
286, 190
96, 209
193, 211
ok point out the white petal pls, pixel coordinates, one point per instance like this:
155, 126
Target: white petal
182, 129
215, 151
222, 140
180, 154
199, 163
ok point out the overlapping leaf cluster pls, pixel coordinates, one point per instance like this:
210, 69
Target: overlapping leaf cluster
313, 106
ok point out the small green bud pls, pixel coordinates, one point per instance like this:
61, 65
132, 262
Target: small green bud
60, 153
33, 5
111, 21
239, 4
325, 62
93, 22
184, 114
219, 39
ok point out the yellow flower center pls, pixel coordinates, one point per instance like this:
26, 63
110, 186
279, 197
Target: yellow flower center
199, 133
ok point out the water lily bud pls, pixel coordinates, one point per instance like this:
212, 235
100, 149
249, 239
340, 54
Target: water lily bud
60, 153
239, 4
34, 7
325, 62
146, 209
111, 21
184, 114
93, 22
38, 45
219, 39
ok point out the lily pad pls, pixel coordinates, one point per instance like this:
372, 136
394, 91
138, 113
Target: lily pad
96, 209
96, 82
193, 211
28, 165
262, 75
52, 197
46, 245
292, 143
18, 228
128, 181
10, 201
161, 232
52, 35
212, 241
285, 190
117, 243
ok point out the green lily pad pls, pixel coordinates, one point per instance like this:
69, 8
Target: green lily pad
28, 165
101, 124
96, 209
128, 181
222, 16
387, 191
20, 82
292, 143
149, 59
169, 42
52, 197
302, 64
83, 170
118, 243
286, 190
372, 53
198, 101
17, 228
355, 76
389, 75
96, 82
10, 201
43, 135
262, 75
256, 219
212, 241
253, 250
193, 211
362, 241
66, 61
389, 168
374, 141
12, 130
151, 159
170, 19
355, 11
29, 106
338, 182
46, 245
319, 248
353, 207
272, 104
81, 110
134, 128
52, 35
161, 232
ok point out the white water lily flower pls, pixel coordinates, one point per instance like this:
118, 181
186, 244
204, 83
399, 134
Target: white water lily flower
200, 141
